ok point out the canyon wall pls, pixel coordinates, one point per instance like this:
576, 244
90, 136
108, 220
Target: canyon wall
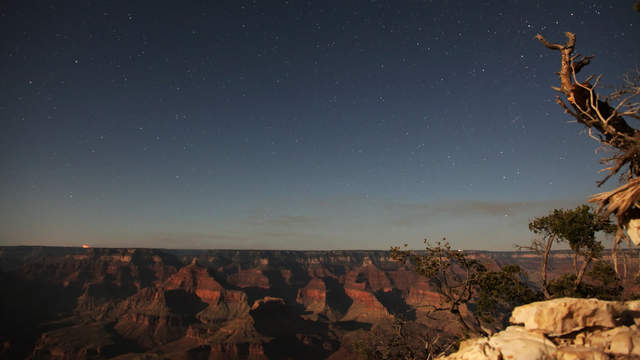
69, 303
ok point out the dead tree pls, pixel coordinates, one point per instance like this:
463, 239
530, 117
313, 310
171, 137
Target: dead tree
606, 122
454, 275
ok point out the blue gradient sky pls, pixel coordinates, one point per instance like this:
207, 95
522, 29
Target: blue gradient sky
294, 125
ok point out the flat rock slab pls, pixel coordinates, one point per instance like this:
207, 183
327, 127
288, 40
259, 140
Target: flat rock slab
580, 353
517, 343
475, 349
565, 315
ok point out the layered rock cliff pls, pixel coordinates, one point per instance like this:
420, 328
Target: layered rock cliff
225, 304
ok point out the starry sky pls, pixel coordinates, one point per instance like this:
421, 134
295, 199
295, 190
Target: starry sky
294, 125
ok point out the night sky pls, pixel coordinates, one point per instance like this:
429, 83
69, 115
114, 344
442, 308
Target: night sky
294, 125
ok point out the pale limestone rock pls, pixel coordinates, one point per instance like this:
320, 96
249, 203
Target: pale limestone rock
578, 329
632, 308
633, 305
474, 349
622, 340
514, 339
633, 230
579, 353
579, 339
565, 315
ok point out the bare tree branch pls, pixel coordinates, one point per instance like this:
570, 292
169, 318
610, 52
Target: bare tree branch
605, 120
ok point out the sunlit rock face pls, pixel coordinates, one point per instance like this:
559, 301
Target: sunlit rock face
566, 328
313, 296
365, 307
563, 316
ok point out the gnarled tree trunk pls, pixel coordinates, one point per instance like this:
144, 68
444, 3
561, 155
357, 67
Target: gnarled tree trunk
606, 123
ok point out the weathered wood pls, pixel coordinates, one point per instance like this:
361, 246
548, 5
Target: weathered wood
595, 112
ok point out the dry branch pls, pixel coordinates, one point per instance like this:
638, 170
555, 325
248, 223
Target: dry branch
606, 123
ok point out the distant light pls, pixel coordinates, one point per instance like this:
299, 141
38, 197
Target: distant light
85, 246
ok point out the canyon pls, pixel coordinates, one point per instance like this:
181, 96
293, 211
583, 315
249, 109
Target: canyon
75, 303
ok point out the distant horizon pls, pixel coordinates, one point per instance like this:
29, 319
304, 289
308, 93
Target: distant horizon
559, 248
503, 223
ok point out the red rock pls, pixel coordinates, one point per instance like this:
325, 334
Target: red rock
198, 333
403, 278
365, 307
250, 351
223, 351
256, 350
249, 278
313, 296
351, 280
421, 293
318, 270
74, 342
183, 312
266, 299
195, 279
286, 275
376, 278
368, 277
416, 288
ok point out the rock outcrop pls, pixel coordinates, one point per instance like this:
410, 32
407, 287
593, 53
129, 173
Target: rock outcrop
191, 304
249, 278
566, 328
313, 296
563, 316
365, 307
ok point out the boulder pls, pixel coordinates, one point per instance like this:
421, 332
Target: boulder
580, 353
565, 315
623, 340
514, 339
475, 349
563, 329
506, 345
632, 310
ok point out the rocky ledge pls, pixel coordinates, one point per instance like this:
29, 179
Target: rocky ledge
563, 329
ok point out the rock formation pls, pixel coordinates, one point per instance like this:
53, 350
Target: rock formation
313, 296
562, 329
228, 304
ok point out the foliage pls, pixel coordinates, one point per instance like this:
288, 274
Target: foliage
564, 286
578, 227
604, 284
500, 291
463, 281
405, 340
453, 274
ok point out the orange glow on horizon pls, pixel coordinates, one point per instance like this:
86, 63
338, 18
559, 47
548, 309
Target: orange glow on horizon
85, 246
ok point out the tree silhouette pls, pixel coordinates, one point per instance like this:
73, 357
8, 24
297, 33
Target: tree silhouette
460, 279
576, 226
